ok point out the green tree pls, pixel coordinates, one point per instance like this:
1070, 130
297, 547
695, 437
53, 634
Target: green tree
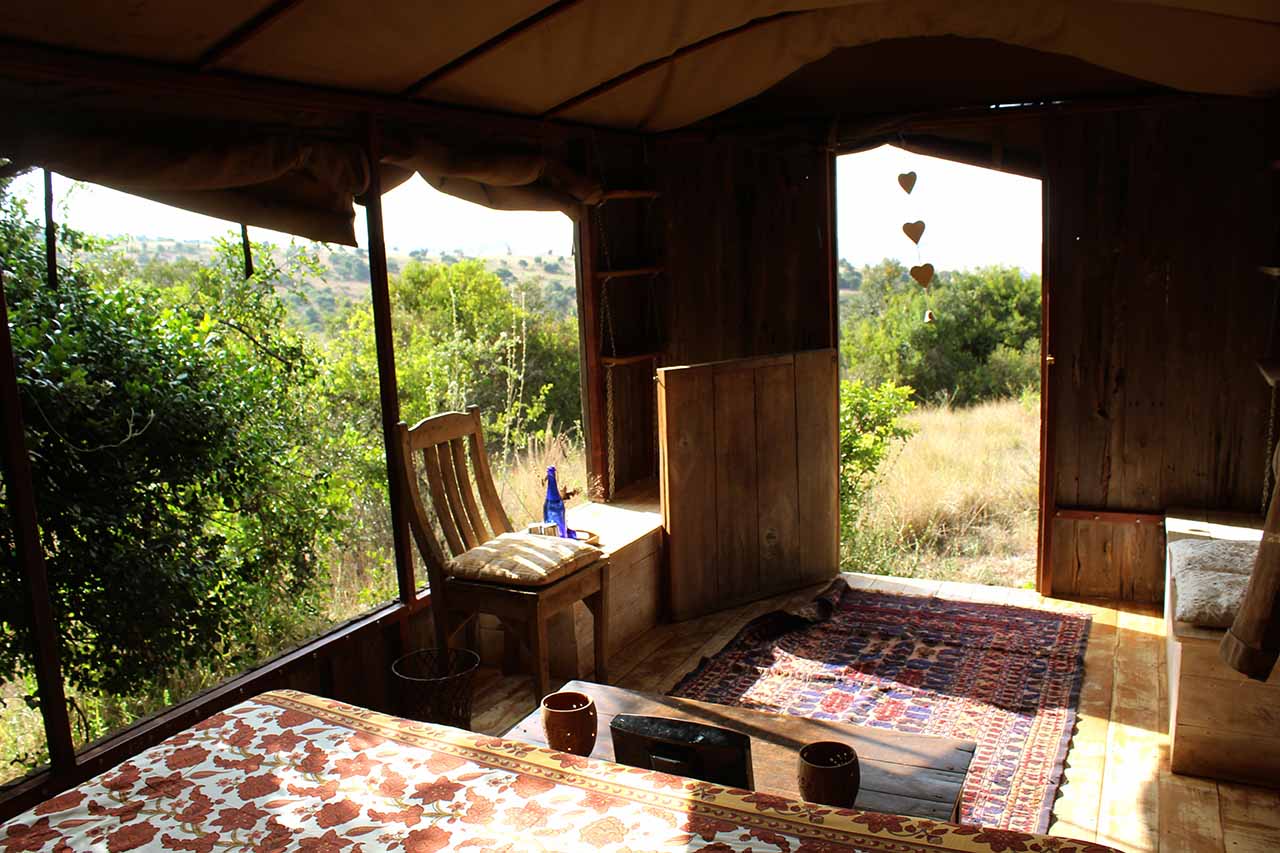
182, 504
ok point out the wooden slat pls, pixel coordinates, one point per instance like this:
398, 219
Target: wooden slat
498, 521
778, 516
488, 46
443, 427
1250, 818
444, 516
1129, 813
241, 35
458, 449
444, 453
689, 480
733, 447
623, 360
1189, 814
818, 455
633, 195
630, 272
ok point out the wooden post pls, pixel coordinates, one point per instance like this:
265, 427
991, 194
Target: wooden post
247, 248
386, 354
589, 347
50, 233
1252, 645
26, 534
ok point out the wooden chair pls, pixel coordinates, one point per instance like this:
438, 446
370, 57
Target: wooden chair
523, 608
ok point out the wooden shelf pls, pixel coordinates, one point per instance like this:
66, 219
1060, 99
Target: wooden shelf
1270, 371
619, 195
634, 272
1274, 272
617, 360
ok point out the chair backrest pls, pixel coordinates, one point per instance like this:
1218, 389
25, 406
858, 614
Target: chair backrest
444, 442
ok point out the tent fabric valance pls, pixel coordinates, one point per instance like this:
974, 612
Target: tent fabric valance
297, 186
502, 180
277, 182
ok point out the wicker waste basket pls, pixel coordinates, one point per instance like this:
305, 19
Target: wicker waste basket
436, 688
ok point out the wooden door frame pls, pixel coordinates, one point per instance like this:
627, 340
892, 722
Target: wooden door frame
1047, 492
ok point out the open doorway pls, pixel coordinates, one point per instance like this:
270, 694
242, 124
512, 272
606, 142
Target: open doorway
939, 319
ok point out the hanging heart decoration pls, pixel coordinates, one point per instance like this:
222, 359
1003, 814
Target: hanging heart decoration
914, 230
907, 180
923, 274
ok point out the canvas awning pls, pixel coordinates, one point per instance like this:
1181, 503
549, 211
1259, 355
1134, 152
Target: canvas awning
642, 67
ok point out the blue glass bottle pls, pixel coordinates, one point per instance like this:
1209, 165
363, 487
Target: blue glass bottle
553, 507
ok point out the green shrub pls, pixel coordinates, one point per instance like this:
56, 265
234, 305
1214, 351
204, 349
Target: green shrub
870, 425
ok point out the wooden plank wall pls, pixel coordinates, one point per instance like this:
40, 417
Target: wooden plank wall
748, 249
1158, 315
749, 488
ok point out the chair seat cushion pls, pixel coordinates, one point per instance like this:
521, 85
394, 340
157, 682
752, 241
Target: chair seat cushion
523, 559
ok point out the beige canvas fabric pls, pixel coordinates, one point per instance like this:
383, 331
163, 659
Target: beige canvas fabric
721, 54
524, 559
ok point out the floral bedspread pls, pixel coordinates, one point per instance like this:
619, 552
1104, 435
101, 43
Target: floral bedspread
287, 771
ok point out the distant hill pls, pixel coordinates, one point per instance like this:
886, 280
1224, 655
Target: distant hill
346, 269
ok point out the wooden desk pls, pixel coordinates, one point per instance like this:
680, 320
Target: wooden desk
901, 773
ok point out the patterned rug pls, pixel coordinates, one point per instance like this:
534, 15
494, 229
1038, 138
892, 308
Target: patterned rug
1007, 678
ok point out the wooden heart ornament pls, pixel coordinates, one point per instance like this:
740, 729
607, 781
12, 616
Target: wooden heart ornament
923, 274
914, 230
907, 180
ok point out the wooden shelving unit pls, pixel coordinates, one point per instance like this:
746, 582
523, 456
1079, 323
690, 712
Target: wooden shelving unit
633, 272
619, 360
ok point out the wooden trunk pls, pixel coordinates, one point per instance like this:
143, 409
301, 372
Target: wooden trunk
749, 478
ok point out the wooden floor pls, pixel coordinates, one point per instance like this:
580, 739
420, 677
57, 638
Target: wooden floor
1117, 790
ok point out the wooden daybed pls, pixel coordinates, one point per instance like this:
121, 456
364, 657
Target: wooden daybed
290, 771
1222, 725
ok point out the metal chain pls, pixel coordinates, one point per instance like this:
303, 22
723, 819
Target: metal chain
608, 403
1267, 472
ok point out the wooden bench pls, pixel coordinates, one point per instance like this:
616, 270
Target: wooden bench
1221, 724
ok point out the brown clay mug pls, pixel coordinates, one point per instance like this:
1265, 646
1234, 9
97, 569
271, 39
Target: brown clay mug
569, 720
828, 773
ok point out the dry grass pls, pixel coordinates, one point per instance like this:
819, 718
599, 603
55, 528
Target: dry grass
958, 501
521, 480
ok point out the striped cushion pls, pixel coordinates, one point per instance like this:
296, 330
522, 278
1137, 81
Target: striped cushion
523, 559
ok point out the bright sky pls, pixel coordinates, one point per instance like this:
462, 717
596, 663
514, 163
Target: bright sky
972, 216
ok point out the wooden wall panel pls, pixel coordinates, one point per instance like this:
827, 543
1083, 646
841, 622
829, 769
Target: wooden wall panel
749, 483
748, 250
1158, 315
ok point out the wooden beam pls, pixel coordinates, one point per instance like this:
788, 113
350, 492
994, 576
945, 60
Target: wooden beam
247, 248
1107, 516
157, 81
388, 390
640, 70
1047, 495
489, 45
20, 492
589, 344
244, 32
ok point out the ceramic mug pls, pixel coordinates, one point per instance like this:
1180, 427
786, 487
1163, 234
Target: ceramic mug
828, 773
569, 720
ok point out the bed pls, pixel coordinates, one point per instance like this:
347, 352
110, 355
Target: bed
290, 771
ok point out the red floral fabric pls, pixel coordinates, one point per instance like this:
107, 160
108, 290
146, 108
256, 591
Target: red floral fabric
287, 771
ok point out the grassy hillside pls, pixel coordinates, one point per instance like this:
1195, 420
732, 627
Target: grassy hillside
959, 500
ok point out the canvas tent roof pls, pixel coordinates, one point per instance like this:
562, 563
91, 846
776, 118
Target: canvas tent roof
651, 66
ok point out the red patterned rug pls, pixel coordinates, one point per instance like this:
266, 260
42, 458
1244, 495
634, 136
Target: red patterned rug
1007, 678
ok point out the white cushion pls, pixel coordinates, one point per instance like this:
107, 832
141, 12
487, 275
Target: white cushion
1210, 577
523, 559
1209, 599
